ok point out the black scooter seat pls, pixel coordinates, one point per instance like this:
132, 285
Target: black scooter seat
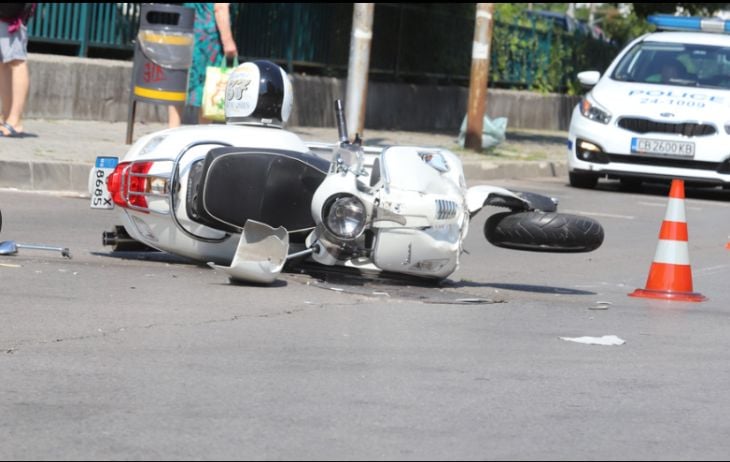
233, 185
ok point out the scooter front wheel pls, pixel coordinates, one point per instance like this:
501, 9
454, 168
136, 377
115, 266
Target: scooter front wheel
543, 232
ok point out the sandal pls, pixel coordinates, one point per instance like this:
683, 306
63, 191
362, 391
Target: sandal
12, 132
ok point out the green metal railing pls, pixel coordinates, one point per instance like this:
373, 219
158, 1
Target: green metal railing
411, 41
84, 25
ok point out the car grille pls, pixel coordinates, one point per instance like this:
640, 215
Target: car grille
664, 162
690, 129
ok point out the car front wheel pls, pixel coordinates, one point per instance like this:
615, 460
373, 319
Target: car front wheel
630, 184
582, 180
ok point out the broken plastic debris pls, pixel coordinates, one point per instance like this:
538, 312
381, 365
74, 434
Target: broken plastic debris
607, 340
600, 305
260, 255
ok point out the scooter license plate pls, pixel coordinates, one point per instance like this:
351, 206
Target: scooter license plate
101, 198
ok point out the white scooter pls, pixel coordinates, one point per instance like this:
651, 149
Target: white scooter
248, 199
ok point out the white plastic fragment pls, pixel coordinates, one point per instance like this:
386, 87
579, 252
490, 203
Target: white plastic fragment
606, 340
260, 255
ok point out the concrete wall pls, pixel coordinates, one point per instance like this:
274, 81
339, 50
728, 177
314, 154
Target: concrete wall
65, 87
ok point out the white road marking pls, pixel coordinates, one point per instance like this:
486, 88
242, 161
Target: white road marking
713, 269
599, 214
652, 204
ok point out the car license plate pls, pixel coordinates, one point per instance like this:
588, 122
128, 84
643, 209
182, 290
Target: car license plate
101, 198
662, 147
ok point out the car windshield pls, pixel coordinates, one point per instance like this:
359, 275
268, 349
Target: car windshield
679, 64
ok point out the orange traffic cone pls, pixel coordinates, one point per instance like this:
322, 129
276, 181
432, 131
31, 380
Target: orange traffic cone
670, 276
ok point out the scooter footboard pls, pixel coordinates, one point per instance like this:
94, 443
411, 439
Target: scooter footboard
233, 185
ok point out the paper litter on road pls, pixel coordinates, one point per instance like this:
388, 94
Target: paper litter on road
607, 340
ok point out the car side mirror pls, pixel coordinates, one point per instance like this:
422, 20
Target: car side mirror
589, 78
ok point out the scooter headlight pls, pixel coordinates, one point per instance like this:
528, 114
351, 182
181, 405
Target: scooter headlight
345, 216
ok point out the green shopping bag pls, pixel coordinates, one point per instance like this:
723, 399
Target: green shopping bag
214, 90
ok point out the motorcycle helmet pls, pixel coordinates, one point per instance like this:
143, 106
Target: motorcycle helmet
258, 93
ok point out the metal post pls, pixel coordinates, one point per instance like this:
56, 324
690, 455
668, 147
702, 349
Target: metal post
479, 75
132, 106
295, 18
85, 29
400, 41
357, 68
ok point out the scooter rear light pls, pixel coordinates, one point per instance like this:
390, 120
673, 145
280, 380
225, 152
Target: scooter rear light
114, 184
139, 184
129, 183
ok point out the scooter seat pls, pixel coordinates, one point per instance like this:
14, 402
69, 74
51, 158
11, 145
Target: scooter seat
233, 185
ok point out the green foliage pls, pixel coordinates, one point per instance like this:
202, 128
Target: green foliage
532, 54
642, 10
624, 28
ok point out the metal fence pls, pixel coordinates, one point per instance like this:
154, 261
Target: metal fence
85, 25
411, 41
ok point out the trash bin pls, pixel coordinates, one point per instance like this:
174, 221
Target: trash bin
163, 54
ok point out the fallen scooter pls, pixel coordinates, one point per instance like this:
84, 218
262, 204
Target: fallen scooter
249, 197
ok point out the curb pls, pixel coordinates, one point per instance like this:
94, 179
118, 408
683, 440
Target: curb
480, 171
45, 176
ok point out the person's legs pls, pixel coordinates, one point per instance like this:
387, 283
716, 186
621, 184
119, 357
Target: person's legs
6, 95
15, 76
175, 115
19, 87
202, 120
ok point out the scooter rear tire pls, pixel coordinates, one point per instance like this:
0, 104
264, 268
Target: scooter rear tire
543, 232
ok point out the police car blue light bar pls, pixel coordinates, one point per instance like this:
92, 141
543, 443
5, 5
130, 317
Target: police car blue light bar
689, 23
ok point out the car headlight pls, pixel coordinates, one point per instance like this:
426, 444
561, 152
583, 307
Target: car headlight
345, 216
591, 111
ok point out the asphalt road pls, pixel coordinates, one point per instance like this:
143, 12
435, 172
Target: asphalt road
145, 356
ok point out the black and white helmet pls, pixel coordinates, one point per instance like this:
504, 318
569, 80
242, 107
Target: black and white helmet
258, 93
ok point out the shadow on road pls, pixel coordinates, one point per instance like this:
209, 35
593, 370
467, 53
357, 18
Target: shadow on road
661, 189
525, 288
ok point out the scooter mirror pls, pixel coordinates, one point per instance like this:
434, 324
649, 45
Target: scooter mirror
11, 248
8, 248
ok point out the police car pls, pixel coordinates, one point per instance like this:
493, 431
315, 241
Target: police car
660, 111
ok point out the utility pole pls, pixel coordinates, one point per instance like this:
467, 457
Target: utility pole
479, 76
358, 66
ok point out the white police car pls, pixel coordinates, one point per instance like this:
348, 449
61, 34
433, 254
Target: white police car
660, 111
